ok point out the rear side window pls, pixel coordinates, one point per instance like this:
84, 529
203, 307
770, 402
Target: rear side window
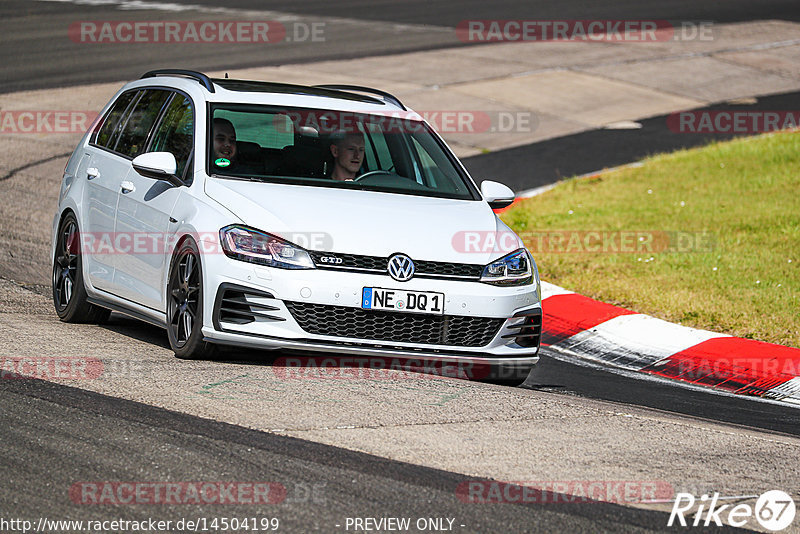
133, 137
106, 135
175, 133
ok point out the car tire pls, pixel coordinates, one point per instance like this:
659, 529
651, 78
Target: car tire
69, 293
185, 304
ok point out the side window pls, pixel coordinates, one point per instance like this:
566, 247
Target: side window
175, 133
133, 137
105, 135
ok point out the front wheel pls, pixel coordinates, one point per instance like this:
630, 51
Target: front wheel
185, 304
69, 293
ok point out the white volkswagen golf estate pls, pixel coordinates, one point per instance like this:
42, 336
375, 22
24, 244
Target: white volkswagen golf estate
315, 218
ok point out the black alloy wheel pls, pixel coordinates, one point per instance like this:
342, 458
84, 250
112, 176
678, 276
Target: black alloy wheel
69, 293
185, 304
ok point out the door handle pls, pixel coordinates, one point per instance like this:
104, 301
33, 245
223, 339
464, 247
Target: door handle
127, 187
92, 173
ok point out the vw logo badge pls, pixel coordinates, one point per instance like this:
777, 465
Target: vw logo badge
401, 268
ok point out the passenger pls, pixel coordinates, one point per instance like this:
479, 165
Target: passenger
226, 158
224, 139
348, 155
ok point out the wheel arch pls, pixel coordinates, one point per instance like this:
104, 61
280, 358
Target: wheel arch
58, 220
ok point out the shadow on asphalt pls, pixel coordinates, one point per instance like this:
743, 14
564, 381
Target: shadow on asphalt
136, 329
550, 375
565, 378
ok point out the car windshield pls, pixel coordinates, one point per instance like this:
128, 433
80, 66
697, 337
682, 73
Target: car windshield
389, 153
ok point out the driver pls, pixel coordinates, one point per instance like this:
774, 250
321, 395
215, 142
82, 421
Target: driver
348, 155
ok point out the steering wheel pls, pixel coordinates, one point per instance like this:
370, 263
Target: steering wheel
372, 173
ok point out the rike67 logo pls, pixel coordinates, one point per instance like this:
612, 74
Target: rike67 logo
774, 510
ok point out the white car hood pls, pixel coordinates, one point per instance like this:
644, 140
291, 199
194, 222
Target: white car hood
366, 222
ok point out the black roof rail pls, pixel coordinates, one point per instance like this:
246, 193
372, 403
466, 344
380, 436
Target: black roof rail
387, 96
204, 80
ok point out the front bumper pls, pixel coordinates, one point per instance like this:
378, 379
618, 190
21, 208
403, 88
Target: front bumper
256, 314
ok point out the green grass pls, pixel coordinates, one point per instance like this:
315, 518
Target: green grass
743, 195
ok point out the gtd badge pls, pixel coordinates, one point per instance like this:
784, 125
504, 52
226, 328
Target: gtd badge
400, 267
331, 260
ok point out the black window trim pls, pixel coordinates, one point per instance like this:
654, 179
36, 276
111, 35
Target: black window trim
188, 172
148, 142
123, 123
93, 138
156, 123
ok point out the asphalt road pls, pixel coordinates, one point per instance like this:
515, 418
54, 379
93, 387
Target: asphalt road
152, 418
54, 435
79, 436
549, 161
569, 378
450, 13
39, 53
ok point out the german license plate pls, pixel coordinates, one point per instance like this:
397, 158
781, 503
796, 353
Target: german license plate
376, 298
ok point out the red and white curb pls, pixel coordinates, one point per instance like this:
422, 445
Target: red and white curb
578, 327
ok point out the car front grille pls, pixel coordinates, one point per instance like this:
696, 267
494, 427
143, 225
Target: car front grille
462, 270
378, 265
342, 321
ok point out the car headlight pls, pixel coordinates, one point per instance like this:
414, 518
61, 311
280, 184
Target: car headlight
246, 244
515, 269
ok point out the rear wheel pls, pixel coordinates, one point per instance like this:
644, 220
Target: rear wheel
185, 304
69, 293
